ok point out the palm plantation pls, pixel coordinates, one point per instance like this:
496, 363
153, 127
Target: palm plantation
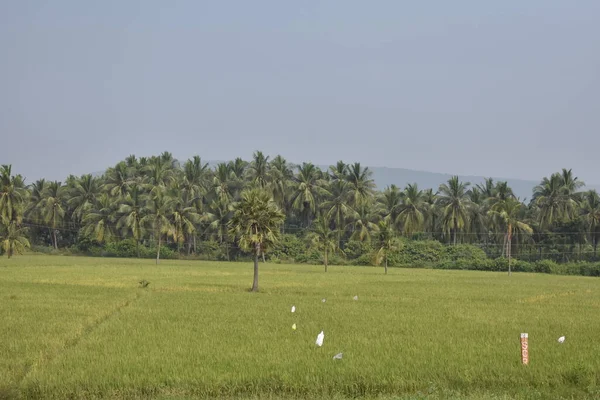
189, 208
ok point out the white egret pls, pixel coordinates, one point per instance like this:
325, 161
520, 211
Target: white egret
355, 297
293, 308
561, 339
323, 300
294, 327
338, 356
320, 338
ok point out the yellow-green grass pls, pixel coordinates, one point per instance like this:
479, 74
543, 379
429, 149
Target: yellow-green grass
74, 327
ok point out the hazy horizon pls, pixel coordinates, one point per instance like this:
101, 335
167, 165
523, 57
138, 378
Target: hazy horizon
507, 90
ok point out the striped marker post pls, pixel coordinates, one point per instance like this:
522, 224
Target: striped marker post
524, 349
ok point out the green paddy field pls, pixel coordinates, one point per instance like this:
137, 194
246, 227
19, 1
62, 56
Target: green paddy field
83, 328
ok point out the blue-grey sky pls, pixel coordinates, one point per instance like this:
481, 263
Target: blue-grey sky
498, 88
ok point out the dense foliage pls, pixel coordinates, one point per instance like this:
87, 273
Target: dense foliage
153, 206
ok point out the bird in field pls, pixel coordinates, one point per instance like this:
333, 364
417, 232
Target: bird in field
338, 356
293, 308
561, 339
294, 327
320, 338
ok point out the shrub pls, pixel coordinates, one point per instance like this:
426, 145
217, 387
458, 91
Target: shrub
545, 266
289, 247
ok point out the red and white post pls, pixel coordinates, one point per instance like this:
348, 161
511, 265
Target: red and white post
524, 349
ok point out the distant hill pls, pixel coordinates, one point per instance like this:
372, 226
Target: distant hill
400, 177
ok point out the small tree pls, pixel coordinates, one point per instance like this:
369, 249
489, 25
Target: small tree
13, 239
385, 242
322, 237
256, 220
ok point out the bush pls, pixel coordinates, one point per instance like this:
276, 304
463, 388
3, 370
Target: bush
290, 248
417, 253
464, 252
545, 266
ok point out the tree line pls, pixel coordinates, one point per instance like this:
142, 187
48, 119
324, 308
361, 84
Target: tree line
157, 202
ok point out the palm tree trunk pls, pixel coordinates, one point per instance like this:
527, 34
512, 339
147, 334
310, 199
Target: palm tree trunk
195, 251
263, 256
137, 247
455, 229
158, 250
509, 241
325, 260
255, 281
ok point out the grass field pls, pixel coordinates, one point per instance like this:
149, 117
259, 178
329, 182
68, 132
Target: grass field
76, 327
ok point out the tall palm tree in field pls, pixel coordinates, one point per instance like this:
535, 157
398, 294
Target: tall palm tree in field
412, 217
131, 213
53, 207
322, 237
385, 242
590, 210
159, 209
508, 213
453, 200
13, 238
256, 220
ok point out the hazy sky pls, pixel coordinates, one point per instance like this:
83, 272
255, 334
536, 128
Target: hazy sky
502, 88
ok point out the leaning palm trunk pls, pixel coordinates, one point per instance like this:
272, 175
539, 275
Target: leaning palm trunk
325, 259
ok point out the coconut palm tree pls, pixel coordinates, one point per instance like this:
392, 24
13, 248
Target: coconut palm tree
195, 176
308, 190
53, 208
360, 184
99, 222
258, 170
363, 222
391, 202
453, 199
322, 237
412, 216
508, 212
13, 238
12, 194
385, 242
83, 194
118, 179
255, 221
551, 199
280, 176
590, 211
131, 213
159, 209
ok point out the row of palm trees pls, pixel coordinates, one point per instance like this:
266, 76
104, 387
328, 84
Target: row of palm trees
157, 199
